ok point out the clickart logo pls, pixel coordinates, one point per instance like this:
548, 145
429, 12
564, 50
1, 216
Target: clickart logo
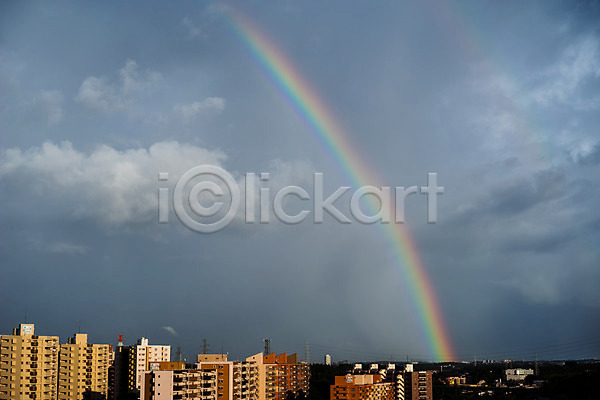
207, 198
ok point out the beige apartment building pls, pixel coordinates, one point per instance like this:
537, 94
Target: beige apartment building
259, 377
130, 364
171, 380
143, 355
224, 372
28, 365
247, 378
83, 369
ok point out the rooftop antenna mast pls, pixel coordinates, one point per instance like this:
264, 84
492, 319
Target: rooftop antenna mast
267, 346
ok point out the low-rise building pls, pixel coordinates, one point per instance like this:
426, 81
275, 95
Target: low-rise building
361, 387
517, 374
408, 384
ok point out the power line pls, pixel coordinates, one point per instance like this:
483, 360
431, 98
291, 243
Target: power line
584, 347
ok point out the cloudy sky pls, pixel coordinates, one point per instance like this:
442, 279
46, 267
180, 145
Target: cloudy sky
501, 100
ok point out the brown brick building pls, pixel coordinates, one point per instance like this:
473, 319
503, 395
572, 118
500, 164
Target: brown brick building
361, 387
283, 374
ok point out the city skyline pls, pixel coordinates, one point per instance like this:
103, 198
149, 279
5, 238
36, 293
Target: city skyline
500, 101
348, 355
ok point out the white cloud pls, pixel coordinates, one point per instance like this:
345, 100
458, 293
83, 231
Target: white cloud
117, 186
171, 330
109, 185
579, 63
101, 94
210, 105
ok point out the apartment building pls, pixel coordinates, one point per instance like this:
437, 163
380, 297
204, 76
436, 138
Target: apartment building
258, 377
130, 364
28, 365
517, 374
142, 356
224, 371
407, 384
418, 385
172, 381
83, 369
284, 374
361, 387
246, 380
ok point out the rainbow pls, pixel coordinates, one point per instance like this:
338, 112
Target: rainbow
327, 130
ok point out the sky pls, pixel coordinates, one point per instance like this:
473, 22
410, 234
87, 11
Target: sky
501, 100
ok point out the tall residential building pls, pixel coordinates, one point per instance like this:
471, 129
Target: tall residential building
327, 359
270, 377
361, 387
130, 364
284, 374
83, 369
236, 380
223, 370
417, 385
28, 365
246, 378
142, 357
171, 380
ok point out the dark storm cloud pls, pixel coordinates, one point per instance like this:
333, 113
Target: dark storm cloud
519, 196
501, 101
